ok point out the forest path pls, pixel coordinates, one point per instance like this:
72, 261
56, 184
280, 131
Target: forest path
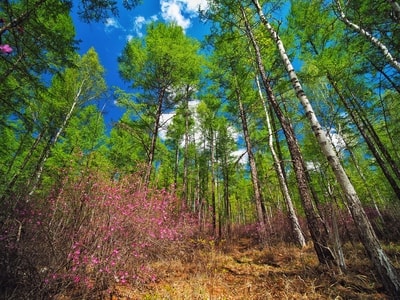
242, 270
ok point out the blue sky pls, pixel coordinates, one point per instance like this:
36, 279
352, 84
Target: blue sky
110, 36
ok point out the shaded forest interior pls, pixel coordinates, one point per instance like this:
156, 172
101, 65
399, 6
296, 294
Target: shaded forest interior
261, 162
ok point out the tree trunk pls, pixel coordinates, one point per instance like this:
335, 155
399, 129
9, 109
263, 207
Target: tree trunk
362, 176
396, 8
227, 204
318, 232
11, 184
384, 73
374, 136
213, 190
382, 264
35, 179
253, 171
185, 187
384, 50
362, 128
294, 221
176, 165
154, 137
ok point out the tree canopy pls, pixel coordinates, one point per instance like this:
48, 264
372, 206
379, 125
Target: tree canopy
286, 108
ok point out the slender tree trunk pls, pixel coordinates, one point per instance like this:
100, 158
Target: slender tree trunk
253, 171
213, 190
176, 167
371, 146
396, 8
382, 71
337, 241
386, 112
376, 42
16, 21
10, 185
35, 179
186, 150
374, 136
381, 261
294, 221
277, 142
318, 232
227, 204
362, 176
154, 138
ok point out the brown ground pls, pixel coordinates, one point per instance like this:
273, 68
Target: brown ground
241, 270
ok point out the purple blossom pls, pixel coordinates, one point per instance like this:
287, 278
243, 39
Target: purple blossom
5, 49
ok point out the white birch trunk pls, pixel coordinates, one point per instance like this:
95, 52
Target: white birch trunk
385, 51
39, 170
396, 8
383, 265
294, 221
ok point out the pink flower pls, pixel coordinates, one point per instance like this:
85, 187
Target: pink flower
6, 49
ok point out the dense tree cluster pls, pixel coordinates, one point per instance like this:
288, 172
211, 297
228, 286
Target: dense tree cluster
295, 114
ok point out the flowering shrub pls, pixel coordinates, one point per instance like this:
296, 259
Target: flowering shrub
6, 49
94, 232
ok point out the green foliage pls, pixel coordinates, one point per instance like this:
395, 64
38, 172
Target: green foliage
97, 10
50, 125
83, 146
127, 141
164, 58
164, 69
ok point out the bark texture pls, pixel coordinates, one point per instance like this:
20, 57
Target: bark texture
380, 260
316, 226
294, 221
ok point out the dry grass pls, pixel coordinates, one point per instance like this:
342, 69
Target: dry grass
240, 270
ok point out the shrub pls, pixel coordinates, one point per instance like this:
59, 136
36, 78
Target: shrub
89, 234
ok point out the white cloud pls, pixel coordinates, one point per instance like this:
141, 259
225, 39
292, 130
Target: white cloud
181, 11
139, 23
194, 5
242, 154
313, 166
167, 118
111, 23
165, 121
336, 140
171, 11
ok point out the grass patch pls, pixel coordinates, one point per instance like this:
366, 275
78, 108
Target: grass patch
234, 271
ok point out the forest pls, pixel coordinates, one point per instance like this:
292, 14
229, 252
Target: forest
258, 163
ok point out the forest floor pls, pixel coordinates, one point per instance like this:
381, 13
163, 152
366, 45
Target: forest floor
242, 270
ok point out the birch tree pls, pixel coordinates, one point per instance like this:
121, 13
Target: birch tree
356, 89
315, 223
368, 35
380, 260
294, 221
75, 88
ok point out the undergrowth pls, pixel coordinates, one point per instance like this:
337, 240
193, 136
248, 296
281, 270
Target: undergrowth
98, 238
238, 270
